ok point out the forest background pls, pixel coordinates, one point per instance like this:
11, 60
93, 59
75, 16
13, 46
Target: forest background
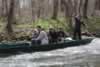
19, 17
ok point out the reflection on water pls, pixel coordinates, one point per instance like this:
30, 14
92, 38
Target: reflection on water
82, 56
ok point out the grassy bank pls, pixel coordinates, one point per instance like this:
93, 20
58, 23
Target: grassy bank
25, 29
93, 24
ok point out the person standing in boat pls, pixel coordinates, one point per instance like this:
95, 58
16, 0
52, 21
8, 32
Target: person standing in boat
77, 28
42, 37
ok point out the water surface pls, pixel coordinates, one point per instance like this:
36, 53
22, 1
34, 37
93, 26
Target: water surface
82, 56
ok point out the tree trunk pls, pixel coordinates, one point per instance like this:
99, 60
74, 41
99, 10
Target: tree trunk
68, 7
55, 9
85, 9
10, 18
4, 8
68, 12
32, 6
97, 5
17, 4
80, 8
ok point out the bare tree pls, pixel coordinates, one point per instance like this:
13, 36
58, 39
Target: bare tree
4, 8
10, 18
39, 8
32, 6
55, 9
85, 9
17, 7
67, 7
97, 4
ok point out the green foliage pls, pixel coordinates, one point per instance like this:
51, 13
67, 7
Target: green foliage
93, 24
50, 23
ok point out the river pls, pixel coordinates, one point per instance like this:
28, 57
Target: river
82, 56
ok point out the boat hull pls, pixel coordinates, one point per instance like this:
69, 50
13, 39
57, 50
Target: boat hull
26, 47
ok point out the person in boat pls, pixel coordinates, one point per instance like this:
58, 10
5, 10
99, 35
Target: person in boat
53, 37
34, 36
77, 28
61, 34
35, 33
39, 28
42, 37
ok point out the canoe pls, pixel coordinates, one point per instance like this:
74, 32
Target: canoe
27, 47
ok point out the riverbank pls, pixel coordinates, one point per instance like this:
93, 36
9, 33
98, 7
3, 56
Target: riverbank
24, 30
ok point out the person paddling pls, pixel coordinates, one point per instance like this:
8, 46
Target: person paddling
77, 28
